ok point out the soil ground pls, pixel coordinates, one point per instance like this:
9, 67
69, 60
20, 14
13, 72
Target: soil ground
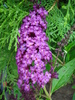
64, 93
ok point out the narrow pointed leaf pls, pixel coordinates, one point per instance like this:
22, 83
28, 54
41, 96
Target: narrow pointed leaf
64, 75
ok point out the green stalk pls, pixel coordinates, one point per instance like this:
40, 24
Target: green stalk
46, 92
52, 5
57, 59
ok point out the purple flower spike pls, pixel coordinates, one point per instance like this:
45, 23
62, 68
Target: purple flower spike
33, 52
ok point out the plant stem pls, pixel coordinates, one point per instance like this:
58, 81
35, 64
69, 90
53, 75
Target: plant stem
50, 88
52, 5
41, 95
46, 92
73, 76
44, 96
53, 71
57, 59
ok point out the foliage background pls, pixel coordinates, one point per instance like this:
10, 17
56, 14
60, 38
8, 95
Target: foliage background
60, 19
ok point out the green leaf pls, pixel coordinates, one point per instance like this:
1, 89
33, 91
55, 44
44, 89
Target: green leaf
71, 45
0, 97
17, 91
64, 75
64, 7
73, 87
48, 66
41, 91
71, 54
47, 99
73, 96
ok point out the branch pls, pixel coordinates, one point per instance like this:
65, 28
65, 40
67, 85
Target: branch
57, 59
52, 5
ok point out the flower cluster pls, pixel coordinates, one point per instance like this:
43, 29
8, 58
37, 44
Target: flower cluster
33, 52
28, 95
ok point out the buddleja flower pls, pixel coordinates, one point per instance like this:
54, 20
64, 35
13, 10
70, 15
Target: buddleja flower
33, 52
